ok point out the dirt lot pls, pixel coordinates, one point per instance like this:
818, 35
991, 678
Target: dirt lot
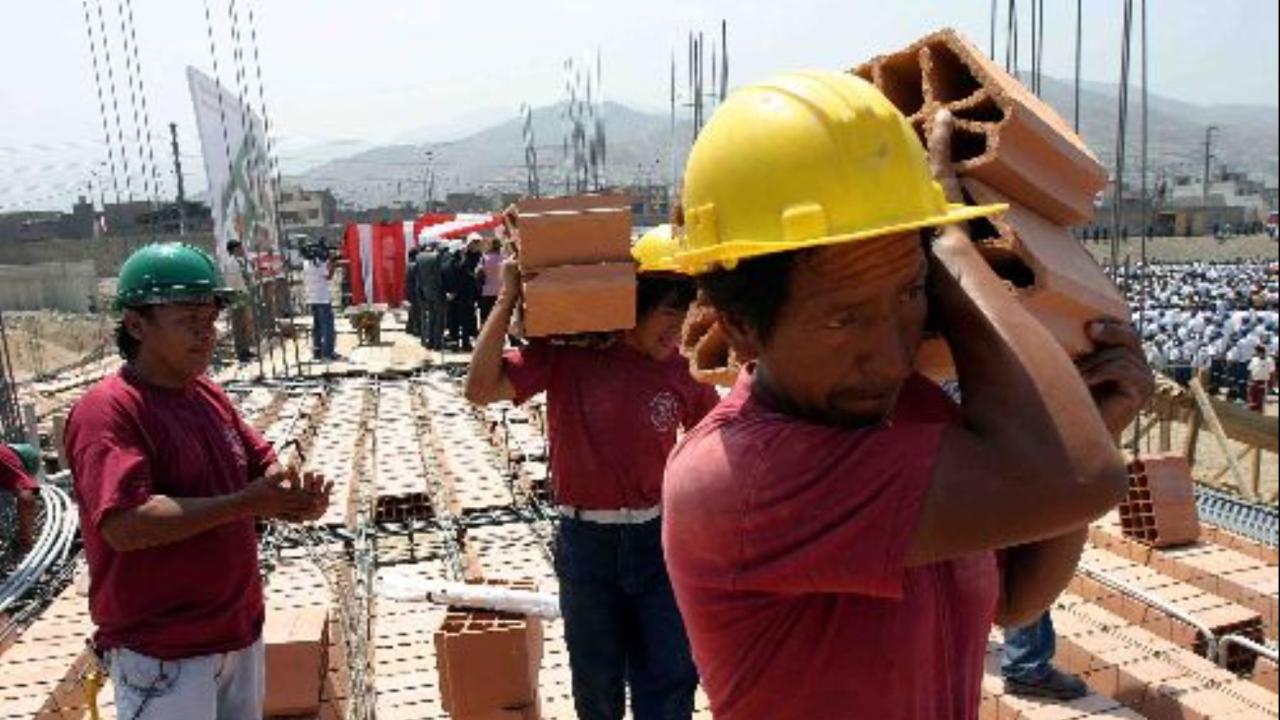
46, 342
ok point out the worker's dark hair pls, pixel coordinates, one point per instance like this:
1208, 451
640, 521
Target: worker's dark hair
232, 244
754, 292
413, 252
127, 345
654, 291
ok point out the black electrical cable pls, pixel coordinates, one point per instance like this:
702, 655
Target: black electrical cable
1079, 34
147, 190
102, 103
274, 167
115, 104
226, 146
251, 155
146, 114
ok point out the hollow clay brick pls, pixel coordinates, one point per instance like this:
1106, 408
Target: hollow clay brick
704, 343
584, 237
1145, 673
1220, 615
488, 662
1068, 287
1161, 504
1264, 674
296, 642
579, 298
1004, 135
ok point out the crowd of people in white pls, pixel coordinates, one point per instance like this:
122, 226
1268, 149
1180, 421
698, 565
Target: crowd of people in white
1218, 321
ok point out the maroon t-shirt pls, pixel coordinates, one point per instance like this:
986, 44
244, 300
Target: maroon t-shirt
612, 417
126, 441
785, 541
13, 474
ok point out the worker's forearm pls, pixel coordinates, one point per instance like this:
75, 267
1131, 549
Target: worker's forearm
485, 373
163, 520
1035, 574
26, 507
1020, 390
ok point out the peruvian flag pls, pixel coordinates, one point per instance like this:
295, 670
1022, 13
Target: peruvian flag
376, 253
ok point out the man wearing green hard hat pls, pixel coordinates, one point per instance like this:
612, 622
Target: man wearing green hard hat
169, 481
832, 527
19, 470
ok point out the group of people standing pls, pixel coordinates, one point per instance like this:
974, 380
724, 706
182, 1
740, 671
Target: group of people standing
451, 286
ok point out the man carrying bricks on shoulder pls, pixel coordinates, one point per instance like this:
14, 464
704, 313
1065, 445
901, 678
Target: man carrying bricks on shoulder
612, 417
170, 480
831, 527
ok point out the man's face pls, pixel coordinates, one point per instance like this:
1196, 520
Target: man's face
657, 333
177, 339
846, 339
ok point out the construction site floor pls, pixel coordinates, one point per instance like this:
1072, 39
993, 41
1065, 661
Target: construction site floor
443, 490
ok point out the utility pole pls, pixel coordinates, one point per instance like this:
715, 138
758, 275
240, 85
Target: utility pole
177, 171
1208, 141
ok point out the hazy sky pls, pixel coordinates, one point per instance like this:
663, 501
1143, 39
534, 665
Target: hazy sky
386, 70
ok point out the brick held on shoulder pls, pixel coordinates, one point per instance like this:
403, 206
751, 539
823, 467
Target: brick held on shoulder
711, 359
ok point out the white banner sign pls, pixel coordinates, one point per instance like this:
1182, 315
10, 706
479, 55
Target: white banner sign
234, 146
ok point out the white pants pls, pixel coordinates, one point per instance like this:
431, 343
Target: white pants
227, 686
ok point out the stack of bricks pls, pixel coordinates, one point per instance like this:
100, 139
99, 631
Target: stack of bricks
1222, 616
296, 636
1146, 673
997, 704
1009, 147
1230, 567
1160, 508
488, 663
575, 257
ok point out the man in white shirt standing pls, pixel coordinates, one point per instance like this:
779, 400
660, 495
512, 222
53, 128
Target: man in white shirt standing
317, 270
1261, 369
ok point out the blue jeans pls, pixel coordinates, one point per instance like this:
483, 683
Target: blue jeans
1028, 651
323, 333
621, 623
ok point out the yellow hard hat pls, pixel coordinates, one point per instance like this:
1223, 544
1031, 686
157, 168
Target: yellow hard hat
655, 250
801, 160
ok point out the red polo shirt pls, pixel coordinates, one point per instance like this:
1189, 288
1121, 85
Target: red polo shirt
128, 440
785, 543
13, 474
612, 417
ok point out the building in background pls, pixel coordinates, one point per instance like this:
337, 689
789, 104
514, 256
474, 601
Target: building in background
301, 208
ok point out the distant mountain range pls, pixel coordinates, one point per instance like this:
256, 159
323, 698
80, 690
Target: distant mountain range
639, 147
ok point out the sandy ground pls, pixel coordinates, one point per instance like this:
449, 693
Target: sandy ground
1247, 247
47, 342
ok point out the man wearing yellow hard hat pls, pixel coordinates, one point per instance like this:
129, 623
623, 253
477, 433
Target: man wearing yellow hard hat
832, 527
613, 414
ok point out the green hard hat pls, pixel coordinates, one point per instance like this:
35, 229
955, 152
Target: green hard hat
164, 273
29, 455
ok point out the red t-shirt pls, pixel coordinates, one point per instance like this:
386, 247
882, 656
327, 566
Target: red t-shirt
126, 441
13, 474
785, 543
612, 417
